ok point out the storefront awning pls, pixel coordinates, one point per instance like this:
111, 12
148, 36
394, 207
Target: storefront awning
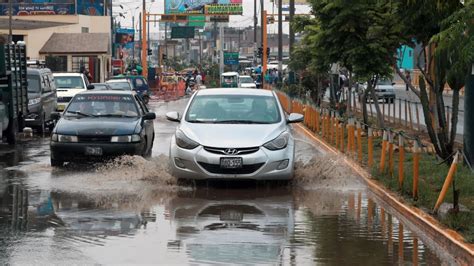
77, 43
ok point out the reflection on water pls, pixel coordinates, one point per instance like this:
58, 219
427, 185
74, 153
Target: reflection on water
257, 225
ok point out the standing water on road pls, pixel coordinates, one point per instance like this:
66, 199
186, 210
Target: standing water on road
131, 211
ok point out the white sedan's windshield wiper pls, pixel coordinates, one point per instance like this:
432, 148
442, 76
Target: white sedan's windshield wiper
115, 115
240, 122
201, 121
81, 113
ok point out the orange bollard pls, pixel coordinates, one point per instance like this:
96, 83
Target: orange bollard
359, 142
390, 153
331, 127
370, 143
416, 167
342, 141
318, 121
447, 182
382, 156
401, 150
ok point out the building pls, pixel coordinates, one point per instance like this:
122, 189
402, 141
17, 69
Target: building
67, 34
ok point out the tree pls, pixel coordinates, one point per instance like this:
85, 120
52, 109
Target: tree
360, 36
421, 22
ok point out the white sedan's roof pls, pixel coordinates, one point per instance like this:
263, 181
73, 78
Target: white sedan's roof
230, 74
238, 91
67, 74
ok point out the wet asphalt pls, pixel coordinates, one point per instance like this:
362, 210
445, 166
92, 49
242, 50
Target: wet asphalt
131, 211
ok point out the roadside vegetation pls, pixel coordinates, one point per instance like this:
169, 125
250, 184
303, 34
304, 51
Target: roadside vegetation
361, 39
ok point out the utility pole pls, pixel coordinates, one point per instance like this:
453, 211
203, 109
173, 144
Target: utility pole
469, 118
144, 42
200, 49
10, 29
264, 44
291, 76
280, 40
140, 36
221, 50
255, 21
133, 46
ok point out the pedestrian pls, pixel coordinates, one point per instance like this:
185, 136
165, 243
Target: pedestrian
408, 81
198, 79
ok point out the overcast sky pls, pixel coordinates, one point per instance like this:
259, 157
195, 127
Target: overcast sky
245, 20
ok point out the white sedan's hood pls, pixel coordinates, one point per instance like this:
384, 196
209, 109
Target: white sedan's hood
232, 135
68, 92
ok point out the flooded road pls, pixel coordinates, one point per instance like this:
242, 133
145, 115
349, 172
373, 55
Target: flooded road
131, 211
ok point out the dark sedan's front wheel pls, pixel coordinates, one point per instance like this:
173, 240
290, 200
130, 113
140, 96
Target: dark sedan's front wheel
56, 163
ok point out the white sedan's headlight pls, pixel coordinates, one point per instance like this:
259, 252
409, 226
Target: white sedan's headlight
279, 142
63, 138
184, 142
126, 138
34, 101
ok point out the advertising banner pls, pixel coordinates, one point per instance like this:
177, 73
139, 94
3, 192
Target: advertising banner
124, 37
91, 7
217, 7
40, 7
49, 7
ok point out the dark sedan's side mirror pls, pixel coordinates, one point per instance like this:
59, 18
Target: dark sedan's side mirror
173, 116
149, 116
90, 87
55, 116
393, 83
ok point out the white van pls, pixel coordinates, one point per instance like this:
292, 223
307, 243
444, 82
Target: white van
68, 85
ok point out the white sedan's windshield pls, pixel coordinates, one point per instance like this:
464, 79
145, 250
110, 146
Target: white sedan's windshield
71, 82
246, 80
233, 109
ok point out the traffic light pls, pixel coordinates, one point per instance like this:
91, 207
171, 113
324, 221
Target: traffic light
270, 20
150, 52
260, 52
268, 52
164, 57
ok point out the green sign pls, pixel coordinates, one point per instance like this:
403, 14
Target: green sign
217, 9
197, 21
184, 32
231, 58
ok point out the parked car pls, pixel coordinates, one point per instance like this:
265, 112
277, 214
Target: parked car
68, 85
100, 125
120, 84
139, 84
233, 133
385, 91
42, 99
247, 82
101, 86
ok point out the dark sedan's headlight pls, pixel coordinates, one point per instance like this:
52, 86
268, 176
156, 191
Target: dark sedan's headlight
184, 142
63, 138
279, 142
126, 138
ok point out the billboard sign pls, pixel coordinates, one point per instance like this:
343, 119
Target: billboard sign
38, 8
182, 32
124, 37
48, 7
217, 7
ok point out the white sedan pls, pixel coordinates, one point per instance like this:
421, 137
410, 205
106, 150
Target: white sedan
233, 133
247, 82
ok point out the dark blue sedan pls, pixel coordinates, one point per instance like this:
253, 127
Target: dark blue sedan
98, 125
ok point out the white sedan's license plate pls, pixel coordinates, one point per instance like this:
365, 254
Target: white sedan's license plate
95, 151
231, 162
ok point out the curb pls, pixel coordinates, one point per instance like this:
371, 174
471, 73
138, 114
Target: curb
448, 239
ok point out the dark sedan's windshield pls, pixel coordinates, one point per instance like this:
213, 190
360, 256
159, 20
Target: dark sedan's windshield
97, 105
34, 84
233, 109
